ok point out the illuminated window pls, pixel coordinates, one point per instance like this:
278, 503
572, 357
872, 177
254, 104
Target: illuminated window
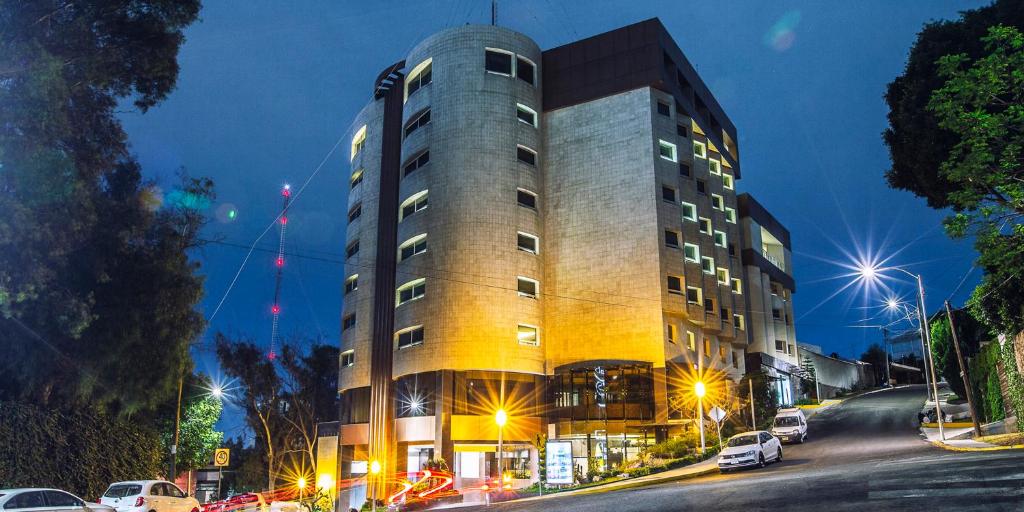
730, 215
691, 253
526, 114
529, 335
352, 284
413, 204
410, 291
525, 69
348, 321
527, 242
707, 347
527, 287
714, 166
672, 332
417, 122
418, 77
357, 178
717, 202
691, 341
409, 337
693, 295
355, 213
707, 265
358, 141
705, 226
737, 286
675, 285
413, 246
415, 163
720, 239
737, 321
723, 276
526, 155
526, 199
498, 61
700, 150
689, 211
727, 182
348, 358
667, 150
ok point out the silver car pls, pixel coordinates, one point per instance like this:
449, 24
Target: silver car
46, 500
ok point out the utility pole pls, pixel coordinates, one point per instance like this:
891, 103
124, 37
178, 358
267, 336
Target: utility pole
885, 342
926, 338
494, 12
753, 419
963, 372
177, 429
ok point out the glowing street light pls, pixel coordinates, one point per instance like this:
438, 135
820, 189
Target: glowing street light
301, 483
500, 418
374, 470
699, 390
217, 392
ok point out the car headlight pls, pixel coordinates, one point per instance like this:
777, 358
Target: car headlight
747, 454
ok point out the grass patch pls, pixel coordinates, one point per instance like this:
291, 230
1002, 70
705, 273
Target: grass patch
1015, 438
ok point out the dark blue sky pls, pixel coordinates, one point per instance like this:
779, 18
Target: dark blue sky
267, 89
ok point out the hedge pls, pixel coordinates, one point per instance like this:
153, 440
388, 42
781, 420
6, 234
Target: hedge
1015, 383
81, 451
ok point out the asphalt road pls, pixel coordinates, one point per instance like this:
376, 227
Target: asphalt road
864, 455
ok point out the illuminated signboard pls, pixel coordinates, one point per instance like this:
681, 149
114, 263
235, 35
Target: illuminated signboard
559, 462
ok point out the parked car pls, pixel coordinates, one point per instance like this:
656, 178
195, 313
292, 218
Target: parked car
790, 425
755, 448
148, 496
250, 502
55, 500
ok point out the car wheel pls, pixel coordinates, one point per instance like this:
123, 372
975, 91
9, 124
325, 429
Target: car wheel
723, 470
778, 458
760, 460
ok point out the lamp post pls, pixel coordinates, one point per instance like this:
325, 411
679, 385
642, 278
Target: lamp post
699, 390
374, 471
302, 487
870, 272
500, 418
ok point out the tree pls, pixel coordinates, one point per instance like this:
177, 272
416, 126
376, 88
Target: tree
809, 384
764, 400
197, 437
311, 390
876, 356
95, 278
945, 356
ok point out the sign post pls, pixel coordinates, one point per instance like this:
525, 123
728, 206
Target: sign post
559, 462
718, 415
221, 458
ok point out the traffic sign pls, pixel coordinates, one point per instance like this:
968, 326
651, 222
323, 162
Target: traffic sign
716, 413
221, 457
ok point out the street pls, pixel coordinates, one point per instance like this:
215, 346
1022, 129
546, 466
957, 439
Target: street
865, 452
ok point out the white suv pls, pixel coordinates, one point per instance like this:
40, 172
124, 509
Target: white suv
148, 496
790, 425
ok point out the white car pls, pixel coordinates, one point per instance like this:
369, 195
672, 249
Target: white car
790, 426
750, 449
46, 500
148, 496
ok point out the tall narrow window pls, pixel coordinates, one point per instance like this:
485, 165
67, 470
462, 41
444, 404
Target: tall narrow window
705, 226
526, 155
348, 358
691, 253
526, 114
527, 242
527, 287
737, 286
720, 239
672, 332
730, 215
529, 335
526, 199
667, 150
717, 202
358, 141
415, 163
727, 182
348, 321
418, 77
702, 187
709, 305
355, 213
410, 291
417, 122
498, 61
691, 341
413, 246
723, 275
525, 70
415, 203
714, 166
352, 284
675, 285
689, 211
737, 322
707, 264
700, 150
352, 249
409, 337
707, 347
357, 178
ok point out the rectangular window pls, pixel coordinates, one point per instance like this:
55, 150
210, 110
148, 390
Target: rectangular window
789, 349
419, 77
707, 265
529, 335
413, 246
527, 242
691, 341
684, 169
722, 352
707, 347
700, 150
737, 286
348, 322
720, 239
409, 337
415, 203
675, 284
780, 346
525, 70
664, 109
693, 295
357, 178
358, 141
526, 114
352, 249
355, 213
498, 61
689, 211
348, 358
727, 182
352, 284
730, 215
705, 226
667, 150
681, 130
737, 322
671, 238
412, 290
418, 121
668, 194
691, 253
709, 305
732, 249
415, 163
527, 287
735, 360
672, 332
717, 202
723, 275
526, 199
526, 155
702, 187
714, 166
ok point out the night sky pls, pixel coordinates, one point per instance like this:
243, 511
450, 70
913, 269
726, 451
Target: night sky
266, 90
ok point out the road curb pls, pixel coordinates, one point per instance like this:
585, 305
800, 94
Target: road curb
653, 481
993, 448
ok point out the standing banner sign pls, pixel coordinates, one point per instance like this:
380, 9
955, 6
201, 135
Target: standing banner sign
559, 462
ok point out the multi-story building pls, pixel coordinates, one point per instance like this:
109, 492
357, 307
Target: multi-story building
767, 267
554, 234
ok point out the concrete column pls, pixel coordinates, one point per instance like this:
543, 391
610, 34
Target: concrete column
660, 395
443, 446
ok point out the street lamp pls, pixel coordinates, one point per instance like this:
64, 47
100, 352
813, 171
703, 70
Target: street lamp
302, 487
700, 390
500, 418
871, 272
374, 470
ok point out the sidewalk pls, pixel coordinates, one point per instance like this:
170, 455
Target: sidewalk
958, 433
683, 473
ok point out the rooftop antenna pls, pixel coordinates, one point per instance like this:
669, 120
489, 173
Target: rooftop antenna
494, 12
286, 195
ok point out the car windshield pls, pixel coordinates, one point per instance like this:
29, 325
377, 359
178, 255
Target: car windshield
122, 490
743, 440
787, 421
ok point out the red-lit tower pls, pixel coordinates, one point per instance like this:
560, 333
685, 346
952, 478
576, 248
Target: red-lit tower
286, 194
